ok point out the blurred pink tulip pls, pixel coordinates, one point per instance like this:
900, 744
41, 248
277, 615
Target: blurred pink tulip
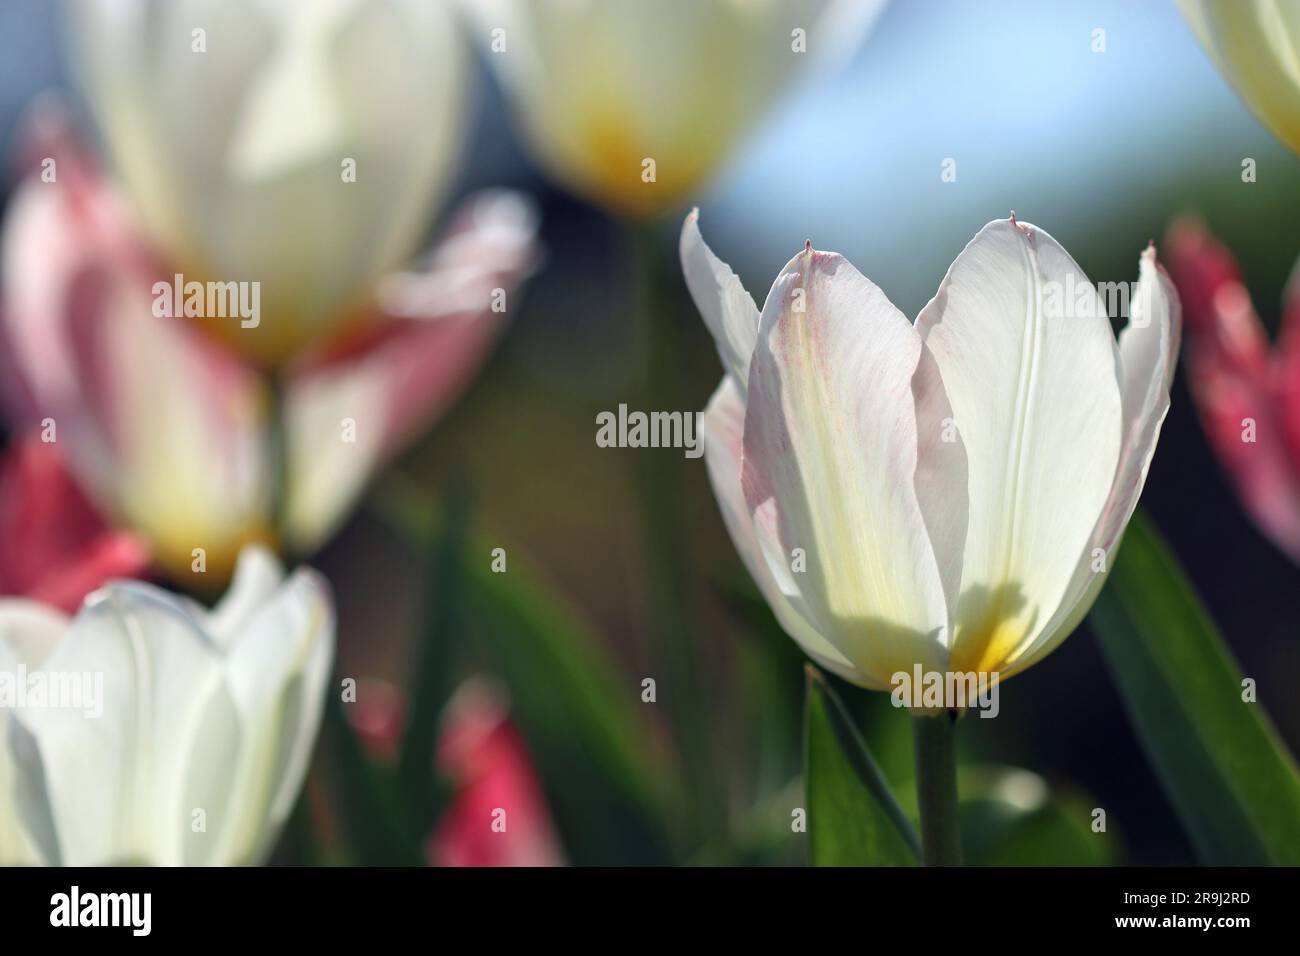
54, 547
497, 815
168, 430
1246, 390
379, 719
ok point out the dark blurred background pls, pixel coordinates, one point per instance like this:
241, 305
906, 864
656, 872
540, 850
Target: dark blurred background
1099, 149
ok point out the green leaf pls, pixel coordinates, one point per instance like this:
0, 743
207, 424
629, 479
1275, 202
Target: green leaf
370, 808
853, 818
606, 785
579, 714
1228, 775
1010, 818
437, 647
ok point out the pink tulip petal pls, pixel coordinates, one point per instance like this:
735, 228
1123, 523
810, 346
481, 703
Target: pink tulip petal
485, 759
54, 547
498, 816
403, 371
161, 427
829, 461
723, 431
1235, 381
379, 718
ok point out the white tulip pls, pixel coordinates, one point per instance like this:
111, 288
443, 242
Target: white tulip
1254, 44
194, 748
957, 486
235, 126
602, 86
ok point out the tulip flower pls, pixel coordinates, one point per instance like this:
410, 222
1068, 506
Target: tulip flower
1254, 43
497, 815
944, 493
168, 431
54, 546
1246, 391
300, 145
600, 88
193, 730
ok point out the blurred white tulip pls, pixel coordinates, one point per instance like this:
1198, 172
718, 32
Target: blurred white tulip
947, 493
601, 86
205, 727
1254, 43
236, 125
168, 431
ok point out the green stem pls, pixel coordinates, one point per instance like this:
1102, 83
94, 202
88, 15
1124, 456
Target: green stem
934, 738
278, 456
435, 656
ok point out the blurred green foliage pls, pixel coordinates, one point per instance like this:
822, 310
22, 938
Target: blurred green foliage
1227, 773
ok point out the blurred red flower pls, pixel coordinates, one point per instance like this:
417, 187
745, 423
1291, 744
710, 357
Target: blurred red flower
497, 815
1247, 390
54, 546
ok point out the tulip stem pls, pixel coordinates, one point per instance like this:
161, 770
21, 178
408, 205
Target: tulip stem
278, 456
934, 739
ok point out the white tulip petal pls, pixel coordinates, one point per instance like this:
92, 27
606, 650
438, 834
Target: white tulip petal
598, 86
191, 726
185, 435
728, 310
1254, 43
1148, 348
941, 475
234, 159
346, 417
28, 835
277, 670
163, 696
1028, 362
207, 785
29, 632
258, 575
295, 82
722, 433
830, 456
305, 717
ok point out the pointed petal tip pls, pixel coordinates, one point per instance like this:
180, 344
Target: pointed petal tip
1148, 255
690, 229
258, 555
1028, 230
